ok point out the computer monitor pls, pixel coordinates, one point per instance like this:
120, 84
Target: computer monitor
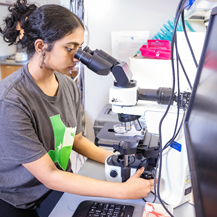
201, 127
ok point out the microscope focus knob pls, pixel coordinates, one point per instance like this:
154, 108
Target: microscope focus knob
113, 173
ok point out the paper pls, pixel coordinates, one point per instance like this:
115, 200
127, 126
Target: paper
156, 210
125, 44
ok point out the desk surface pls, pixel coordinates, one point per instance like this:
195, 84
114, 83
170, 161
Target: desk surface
68, 203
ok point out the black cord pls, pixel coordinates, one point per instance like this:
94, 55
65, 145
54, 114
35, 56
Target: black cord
144, 199
186, 36
186, 76
142, 162
178, 13
71, 5
155, 182
157, 196
177, 133
178, 60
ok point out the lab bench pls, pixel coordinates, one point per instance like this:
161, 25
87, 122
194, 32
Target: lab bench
68, 203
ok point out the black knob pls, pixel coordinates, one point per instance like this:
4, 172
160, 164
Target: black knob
113, 173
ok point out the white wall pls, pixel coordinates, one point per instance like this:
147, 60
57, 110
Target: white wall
105, 16
4, 48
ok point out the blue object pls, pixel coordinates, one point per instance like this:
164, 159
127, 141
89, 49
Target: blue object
176, 146
188, 4
166, 32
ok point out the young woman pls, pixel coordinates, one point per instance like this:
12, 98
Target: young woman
40, 120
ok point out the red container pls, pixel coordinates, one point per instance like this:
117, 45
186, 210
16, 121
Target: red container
157, 49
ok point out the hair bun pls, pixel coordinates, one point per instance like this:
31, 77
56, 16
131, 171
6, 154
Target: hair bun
19, 11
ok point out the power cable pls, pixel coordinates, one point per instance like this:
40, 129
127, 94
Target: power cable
178, 13
187, 39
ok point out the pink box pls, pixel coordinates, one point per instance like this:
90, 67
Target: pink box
157, 49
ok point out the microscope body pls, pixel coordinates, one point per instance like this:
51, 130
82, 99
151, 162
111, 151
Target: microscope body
175, 182
138, 145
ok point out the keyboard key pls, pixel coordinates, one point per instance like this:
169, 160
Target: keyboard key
106, 206
110, 212
116, 211
124, 208
92, 210
122, 214
118, 207
99, 207
94, 205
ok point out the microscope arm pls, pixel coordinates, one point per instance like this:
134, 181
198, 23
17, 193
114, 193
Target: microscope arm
162, 96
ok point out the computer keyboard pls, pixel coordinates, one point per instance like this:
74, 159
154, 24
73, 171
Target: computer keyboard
89, 208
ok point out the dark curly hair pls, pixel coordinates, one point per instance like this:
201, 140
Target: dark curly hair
49, 23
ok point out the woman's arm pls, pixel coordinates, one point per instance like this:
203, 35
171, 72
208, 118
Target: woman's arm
46, 172
85, 147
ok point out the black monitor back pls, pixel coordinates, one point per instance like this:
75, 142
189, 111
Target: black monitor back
201, 127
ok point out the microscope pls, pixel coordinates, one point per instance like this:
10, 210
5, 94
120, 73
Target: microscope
136, 137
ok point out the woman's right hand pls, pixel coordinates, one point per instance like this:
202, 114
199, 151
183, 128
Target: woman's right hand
136, 187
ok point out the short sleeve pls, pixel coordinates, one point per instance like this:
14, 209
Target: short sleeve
18, 139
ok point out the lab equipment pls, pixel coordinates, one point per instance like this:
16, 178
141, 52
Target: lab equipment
128, 101
102, 63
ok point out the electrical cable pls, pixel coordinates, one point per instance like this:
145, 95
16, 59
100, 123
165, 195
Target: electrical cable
179, 10
71, 6
187, 39
178, 108
146, 160
77, 7
186, 76
177, 59
79, 72
177, 133
155, 182
144, 199
157, 197
174, 41
178, 84
141, 163
88, 34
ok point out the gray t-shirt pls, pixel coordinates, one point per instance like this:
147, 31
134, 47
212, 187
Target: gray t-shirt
31, 125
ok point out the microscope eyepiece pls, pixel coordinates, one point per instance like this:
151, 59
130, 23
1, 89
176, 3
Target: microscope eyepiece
102, 63
88, 50
82, 56
93, 62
